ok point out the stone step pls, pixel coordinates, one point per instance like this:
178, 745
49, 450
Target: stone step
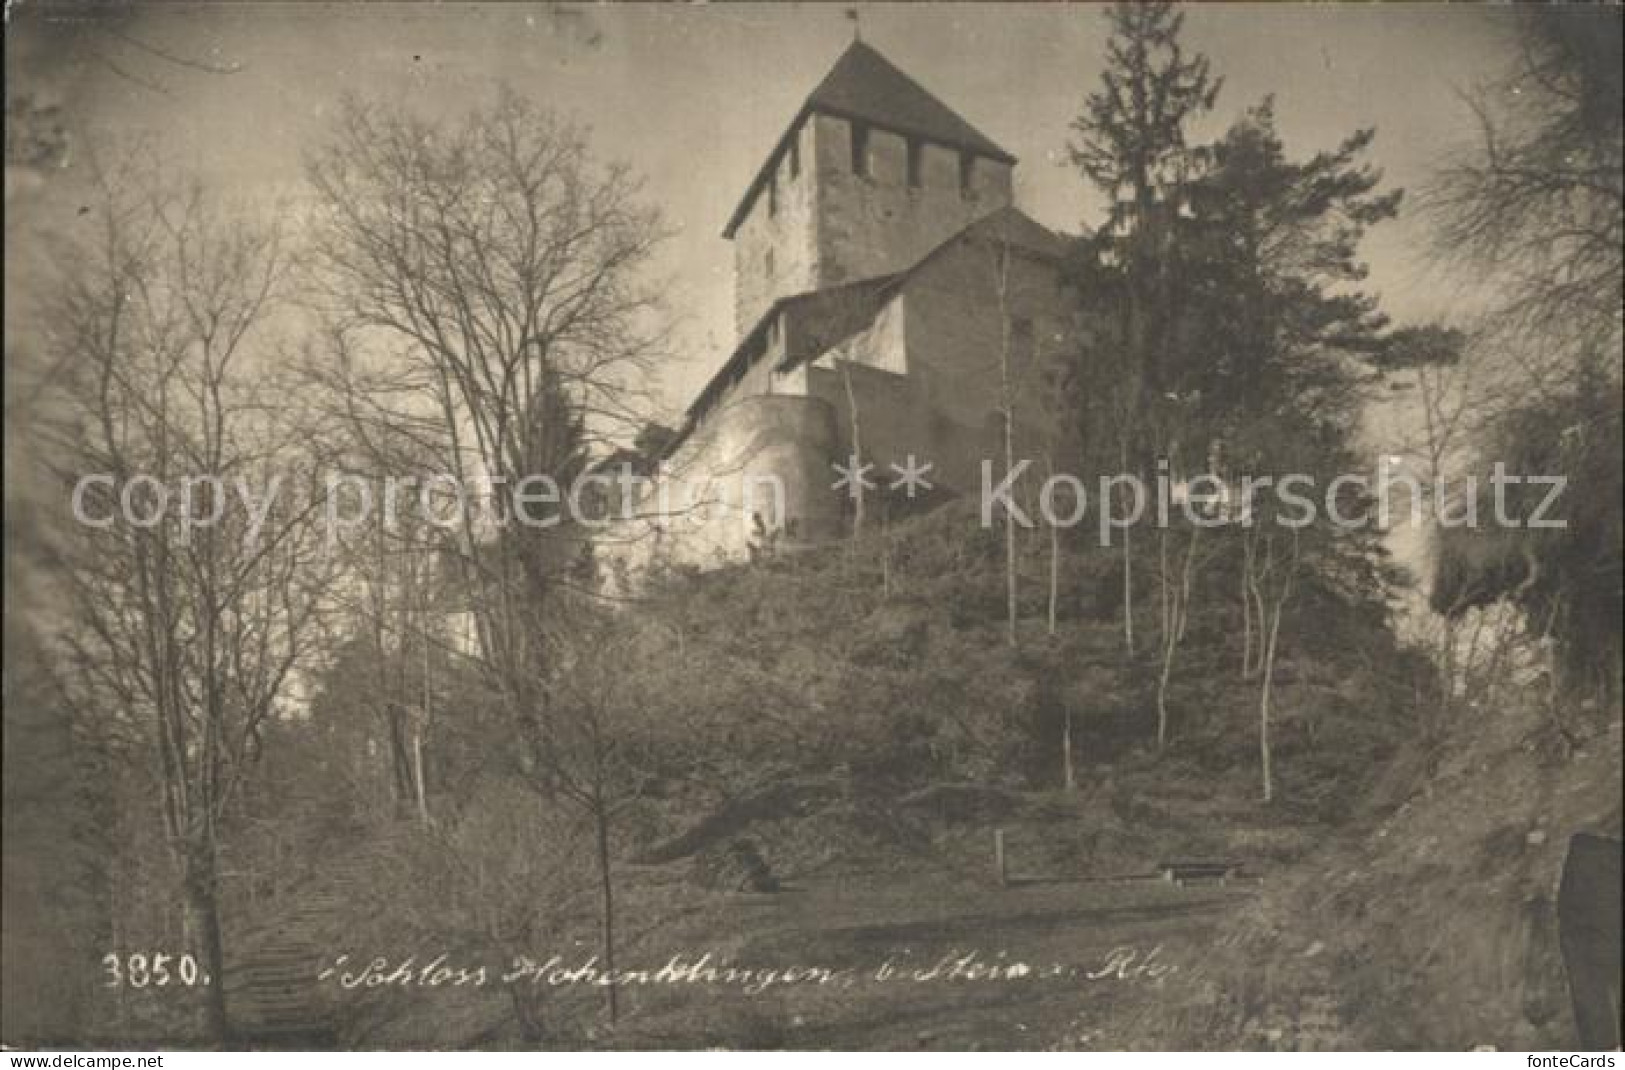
310, 962
284, 950
263, 1007
289, 982
276, 1014
277, 997
271, 977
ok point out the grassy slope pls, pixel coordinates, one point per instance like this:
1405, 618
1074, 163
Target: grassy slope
1410, 899
1430, 921
1402, 904
874, 869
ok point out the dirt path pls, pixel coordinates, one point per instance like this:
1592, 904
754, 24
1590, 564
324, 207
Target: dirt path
938, 961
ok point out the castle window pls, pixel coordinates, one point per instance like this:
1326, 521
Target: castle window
860, 150
915, 151
772, 195
767, 263
795, 153
967, 171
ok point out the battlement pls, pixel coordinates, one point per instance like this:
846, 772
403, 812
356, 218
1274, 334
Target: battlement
872, 173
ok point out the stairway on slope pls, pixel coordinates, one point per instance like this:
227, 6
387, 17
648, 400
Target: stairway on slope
274, 996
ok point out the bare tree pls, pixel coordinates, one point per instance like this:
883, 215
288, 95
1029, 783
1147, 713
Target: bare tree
484, 276
1450, 404
1273, 580
483, 282
1007, 409
1536, 210
1535, 206
193, 564
394, 569
856, 428
597, 760
1176, 581
1247, 614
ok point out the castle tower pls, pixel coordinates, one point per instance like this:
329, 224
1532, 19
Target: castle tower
871, 174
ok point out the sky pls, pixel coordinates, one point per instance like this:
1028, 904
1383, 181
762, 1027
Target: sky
693, 96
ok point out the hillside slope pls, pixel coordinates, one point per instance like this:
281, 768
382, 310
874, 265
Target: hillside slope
1431, 923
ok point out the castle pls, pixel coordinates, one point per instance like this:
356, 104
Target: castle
883, 282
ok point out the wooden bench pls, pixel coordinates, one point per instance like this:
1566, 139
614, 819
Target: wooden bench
1179, 872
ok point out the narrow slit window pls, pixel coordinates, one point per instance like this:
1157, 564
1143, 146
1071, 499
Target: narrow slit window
967, 171
772, 195
916, 150
860, 150
795, 154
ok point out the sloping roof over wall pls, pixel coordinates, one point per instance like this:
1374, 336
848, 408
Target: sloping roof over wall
838, 311
1010, 226
829, 316
866, 86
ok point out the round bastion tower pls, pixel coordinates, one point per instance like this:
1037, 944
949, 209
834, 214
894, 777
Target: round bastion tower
758, 477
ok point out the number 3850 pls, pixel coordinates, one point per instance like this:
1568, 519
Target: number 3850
139, 970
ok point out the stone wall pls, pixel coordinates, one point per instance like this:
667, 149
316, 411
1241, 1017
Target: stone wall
875, 224
766, 454
774, 246
827, 225
955, 335
891, 421
926, 374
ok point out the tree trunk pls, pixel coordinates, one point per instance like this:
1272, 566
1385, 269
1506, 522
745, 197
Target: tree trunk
1054, 573
1259, 614
856, 475
1128, 565
417, 734
885, 549
1010, 575
1169, 637
607, 890
203, 903
1272, 616
1246, 606
1007, 402
400, 760
1264, 705
1187, 576
1164, 588
1068, 771
1175, 612
530, 1023
417, 778
1162, 692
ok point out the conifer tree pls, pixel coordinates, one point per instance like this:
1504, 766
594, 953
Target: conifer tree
1132, 146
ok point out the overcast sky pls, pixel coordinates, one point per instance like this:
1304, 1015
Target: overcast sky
693, 96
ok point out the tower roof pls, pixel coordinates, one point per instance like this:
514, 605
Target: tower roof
866, 86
